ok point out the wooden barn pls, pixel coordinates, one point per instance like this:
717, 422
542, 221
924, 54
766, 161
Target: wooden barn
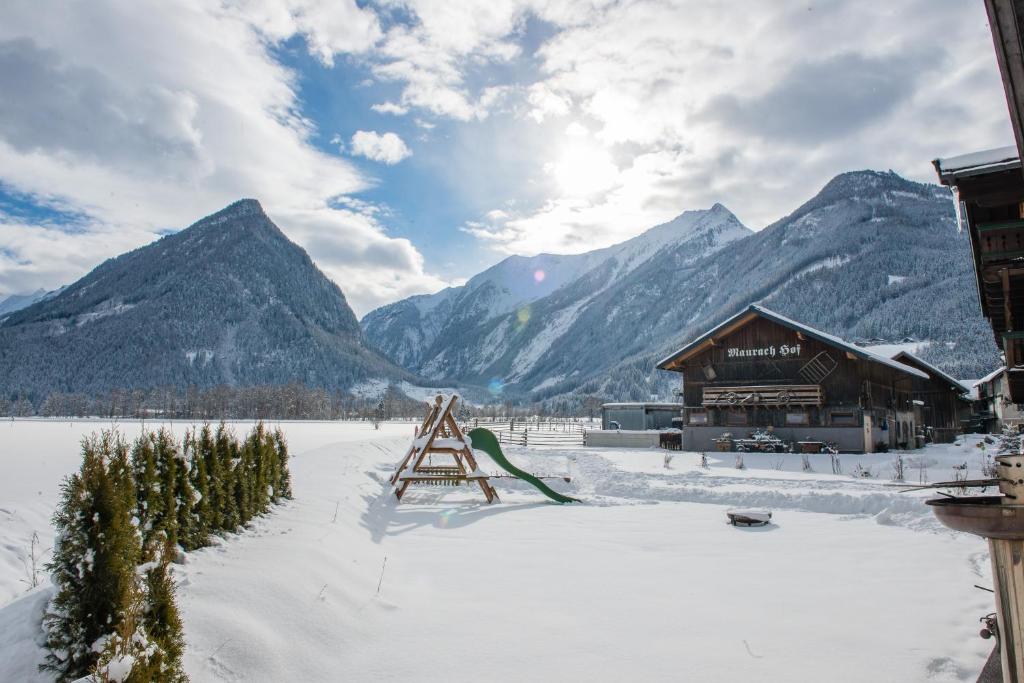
997, 408
762, 370
940, 403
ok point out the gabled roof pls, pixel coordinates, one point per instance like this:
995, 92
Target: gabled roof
754, 311
932, 370
991, 376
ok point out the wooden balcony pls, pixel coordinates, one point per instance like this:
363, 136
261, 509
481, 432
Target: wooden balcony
773, 395
1001, 241
1013, 347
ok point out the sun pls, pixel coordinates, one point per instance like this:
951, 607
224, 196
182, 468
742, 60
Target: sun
583, 167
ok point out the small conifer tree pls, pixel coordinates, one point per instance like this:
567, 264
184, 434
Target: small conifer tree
149, 508
227, 456
202, 511
94, 559
283, 480
206, 449
167, 466
262, 463
162, 622
243, 481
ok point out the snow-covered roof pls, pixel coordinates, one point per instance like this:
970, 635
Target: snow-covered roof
933, 370
823, 337
975, 163
991, 376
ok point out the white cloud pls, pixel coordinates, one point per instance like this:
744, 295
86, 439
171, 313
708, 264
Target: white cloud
694, 103
386, 148
390, 108
625, 115
156, 125
330, 26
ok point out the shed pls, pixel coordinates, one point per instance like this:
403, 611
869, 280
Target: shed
639, 416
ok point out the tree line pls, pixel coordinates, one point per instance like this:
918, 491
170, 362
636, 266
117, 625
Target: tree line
123, 518
291, 402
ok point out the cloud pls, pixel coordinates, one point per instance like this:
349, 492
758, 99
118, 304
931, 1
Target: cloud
330, 26
387, 148
822, 100
390, 108
61, 108
697, 103
571, 124
133, 116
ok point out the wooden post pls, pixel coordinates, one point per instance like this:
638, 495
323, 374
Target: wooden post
1008, 577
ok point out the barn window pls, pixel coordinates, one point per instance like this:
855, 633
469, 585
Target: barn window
736, 417
698, 417
796, 417
847, 419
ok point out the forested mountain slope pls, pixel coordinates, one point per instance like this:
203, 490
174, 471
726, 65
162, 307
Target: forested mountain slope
872, 256
229, 300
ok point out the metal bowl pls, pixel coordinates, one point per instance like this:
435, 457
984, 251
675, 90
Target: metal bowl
986, 516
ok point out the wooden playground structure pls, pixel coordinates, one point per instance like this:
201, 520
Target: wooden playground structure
440, 435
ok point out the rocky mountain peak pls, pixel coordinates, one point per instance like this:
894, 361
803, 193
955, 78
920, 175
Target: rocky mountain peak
229, 300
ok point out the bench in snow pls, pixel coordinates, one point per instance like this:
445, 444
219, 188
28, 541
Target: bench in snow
749, 516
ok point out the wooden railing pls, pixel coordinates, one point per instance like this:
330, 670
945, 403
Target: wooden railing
773, 395
1003, 241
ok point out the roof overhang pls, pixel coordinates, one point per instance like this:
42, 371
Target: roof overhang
1006, 20
952, 169
908, 358
707, 340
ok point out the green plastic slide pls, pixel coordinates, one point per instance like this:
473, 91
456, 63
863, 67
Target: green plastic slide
484, 440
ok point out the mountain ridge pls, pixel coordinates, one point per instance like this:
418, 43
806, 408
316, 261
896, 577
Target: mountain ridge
871, 255
228, 300
408, 330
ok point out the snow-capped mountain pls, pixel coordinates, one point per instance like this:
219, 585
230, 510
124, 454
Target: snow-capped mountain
229, 300
16, 302
504, 321
872, 256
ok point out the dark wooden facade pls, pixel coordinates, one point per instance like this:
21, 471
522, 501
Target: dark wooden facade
760, 370
988, 188
992, 205
940, 403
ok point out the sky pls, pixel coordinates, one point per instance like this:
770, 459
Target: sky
409, 144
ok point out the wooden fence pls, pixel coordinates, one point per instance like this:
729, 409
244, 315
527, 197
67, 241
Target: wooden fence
533, 433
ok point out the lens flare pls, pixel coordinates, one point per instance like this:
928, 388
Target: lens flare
444, 517
495, 386
538, 276
523, 316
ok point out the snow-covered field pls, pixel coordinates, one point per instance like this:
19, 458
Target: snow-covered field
854, 582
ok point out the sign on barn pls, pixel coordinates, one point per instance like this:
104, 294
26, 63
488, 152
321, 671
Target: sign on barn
783, 351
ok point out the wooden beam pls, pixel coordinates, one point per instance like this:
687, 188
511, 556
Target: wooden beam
712, 341
1005, 20
1004, 276
850, 355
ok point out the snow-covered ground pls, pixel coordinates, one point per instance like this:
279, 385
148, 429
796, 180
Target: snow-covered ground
854, 581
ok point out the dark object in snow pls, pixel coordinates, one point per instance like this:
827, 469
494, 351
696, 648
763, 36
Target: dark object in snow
672, 441
751, 517
761, 441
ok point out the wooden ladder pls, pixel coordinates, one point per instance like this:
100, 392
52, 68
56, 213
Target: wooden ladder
818, 368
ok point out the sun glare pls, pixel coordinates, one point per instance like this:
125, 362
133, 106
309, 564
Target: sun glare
583, 168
